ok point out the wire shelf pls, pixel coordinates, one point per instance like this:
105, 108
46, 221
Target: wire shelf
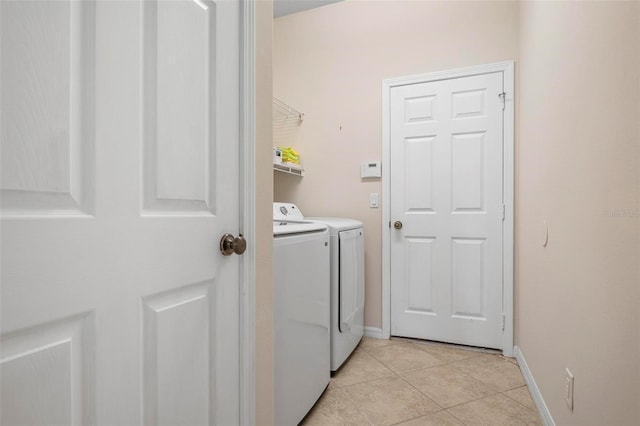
284, 112
294, 169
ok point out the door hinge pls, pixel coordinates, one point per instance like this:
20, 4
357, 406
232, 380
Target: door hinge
503, 322
504, 211
503, 98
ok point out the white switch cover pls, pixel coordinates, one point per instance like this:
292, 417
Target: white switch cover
373, 200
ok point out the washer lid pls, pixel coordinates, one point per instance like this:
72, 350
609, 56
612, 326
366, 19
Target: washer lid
288, 228
337, 223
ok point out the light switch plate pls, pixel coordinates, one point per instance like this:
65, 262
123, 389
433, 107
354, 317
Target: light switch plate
373, 200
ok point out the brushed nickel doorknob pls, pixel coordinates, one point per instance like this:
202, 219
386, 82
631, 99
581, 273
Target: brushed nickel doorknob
230, 244
397, 224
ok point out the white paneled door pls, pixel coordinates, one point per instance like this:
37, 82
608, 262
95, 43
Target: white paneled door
446, 195
120, 138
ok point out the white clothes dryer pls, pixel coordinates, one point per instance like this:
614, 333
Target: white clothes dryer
347, 285
347, 280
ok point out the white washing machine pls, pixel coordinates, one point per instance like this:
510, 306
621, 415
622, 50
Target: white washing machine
347, 280
301, 317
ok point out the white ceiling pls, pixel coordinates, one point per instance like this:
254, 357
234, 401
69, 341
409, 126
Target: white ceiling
287, 7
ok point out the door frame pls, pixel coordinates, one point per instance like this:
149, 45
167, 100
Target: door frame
246, 172
507, 68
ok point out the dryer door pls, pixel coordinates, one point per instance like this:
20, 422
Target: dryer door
351, 284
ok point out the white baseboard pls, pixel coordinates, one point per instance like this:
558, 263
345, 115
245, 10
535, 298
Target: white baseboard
373, 332
545, 415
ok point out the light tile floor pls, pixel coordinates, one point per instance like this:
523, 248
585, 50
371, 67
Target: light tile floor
415, 383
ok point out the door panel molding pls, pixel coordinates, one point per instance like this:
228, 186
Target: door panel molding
48, 373
48, 132
165, 317
179, 177
468, 105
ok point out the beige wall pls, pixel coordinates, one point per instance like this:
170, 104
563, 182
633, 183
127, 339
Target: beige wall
330, 62
264, 237
578, 158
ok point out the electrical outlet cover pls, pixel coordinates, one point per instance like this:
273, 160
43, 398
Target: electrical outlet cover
569, 388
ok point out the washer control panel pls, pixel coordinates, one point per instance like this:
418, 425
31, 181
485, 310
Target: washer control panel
286, 211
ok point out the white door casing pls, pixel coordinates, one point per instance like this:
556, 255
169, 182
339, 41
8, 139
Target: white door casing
448, 174
120, 126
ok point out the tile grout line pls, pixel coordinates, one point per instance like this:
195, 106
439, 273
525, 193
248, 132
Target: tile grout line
346, 394
364, 381
455, 417
424, 368
495, 392
417, 417
462, 403
489, 385
422, 393
473, 400
515, 400
368, 380
398, 376
486, 397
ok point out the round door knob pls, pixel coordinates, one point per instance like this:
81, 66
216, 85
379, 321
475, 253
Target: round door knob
397, 224
230, 244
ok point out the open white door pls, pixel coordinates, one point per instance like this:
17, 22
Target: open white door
120, 172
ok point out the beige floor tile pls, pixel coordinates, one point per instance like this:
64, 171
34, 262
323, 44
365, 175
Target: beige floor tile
447, 385
360, 367
368, 390
334, 408
495, 371
404, 357
441, 418
369, 343
522, 395
496, 410
446, 353
388, 401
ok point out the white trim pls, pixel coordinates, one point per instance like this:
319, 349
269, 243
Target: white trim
544, 412
374, 333
386, 209
507, 68
508, 164
247, 211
